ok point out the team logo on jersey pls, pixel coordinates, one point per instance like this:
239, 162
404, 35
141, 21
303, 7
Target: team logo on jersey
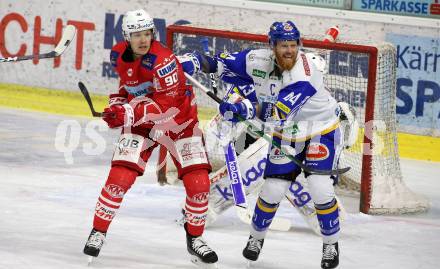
115, 191
167, 69
258, 73
317, 152
130, 72
148, 61
114, 57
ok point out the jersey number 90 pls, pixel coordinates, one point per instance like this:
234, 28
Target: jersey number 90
171, 79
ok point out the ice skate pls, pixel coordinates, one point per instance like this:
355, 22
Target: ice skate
93, 245
330, 256
252, 249
201, 254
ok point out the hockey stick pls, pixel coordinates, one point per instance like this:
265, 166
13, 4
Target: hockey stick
66, 39
86, 94
236, 181
211, 75
235, 175
259, 133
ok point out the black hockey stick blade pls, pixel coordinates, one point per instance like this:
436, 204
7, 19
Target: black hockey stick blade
335, 172
66, 39
86, 94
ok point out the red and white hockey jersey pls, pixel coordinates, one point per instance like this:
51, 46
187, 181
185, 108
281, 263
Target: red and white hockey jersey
157, 75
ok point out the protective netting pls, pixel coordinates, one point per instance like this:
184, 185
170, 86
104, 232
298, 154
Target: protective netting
346, 77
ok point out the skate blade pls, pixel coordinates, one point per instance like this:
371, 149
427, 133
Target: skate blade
201, 264
89, 260
249, 263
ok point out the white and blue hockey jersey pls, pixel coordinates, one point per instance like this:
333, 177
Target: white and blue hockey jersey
297, 96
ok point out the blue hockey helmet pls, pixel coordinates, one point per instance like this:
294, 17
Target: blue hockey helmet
283, 31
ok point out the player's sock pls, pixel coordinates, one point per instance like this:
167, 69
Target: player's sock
263, 215
328, 217
118, 183
196, 204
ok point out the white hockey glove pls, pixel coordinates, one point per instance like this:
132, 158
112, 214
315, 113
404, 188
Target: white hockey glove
190, 63
349, 123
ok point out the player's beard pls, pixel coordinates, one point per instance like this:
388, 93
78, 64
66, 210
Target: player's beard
285, 63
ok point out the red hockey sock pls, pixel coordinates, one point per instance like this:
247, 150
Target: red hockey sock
118, 183
197, 192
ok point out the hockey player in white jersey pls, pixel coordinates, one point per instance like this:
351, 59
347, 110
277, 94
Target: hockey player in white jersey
290, 96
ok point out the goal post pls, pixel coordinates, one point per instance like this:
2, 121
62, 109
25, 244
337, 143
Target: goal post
360, 73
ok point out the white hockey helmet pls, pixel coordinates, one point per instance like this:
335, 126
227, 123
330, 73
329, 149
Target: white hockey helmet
136, 21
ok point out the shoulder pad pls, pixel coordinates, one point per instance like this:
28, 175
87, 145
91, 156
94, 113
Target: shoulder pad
120, 47
260, 55
116, 51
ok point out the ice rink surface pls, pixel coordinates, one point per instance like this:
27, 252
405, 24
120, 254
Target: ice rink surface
47, 205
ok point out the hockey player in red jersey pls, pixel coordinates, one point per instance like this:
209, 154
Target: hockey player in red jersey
153, 106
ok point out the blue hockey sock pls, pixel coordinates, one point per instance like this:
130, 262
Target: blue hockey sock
262, 218
328, 218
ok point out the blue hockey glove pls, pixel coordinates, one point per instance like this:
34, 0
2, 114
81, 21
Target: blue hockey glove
243, 108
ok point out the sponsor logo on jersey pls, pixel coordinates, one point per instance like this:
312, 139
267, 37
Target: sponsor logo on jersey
171, 93
226, 56
127, 145
253, 57
258, 73
278, 157
317, 152
148, 61
282, 107
115, 191
306, 65
132, 82
167, 69
291, 130
141, 89
191, 150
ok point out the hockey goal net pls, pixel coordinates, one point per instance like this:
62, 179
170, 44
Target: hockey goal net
359, 73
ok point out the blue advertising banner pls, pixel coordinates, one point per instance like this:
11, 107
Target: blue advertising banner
418, 81
419, 8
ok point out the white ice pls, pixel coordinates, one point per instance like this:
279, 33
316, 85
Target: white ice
47, 208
